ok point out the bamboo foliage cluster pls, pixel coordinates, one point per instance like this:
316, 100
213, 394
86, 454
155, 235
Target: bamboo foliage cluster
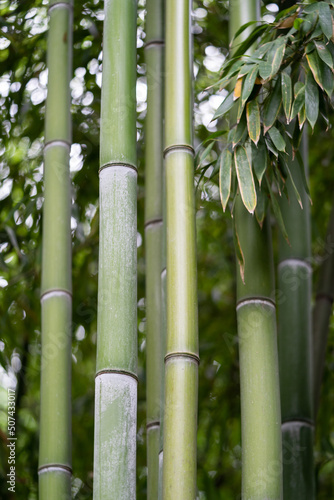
269, 91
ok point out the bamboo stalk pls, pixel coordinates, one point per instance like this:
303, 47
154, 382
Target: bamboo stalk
116, 379
295, 343
55, 460
153, 231
256, 317
181, 361
322, 312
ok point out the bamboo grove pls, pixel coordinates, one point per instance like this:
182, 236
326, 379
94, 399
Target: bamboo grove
277, 83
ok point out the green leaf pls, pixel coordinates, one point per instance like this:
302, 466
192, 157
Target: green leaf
298, 102
243, 28
286, 94
311, 99
240, 131
277, 139
248, 84
239, 252
302, 117
275, 55
321, 72
205, 153
265, 69
272, 106
225, 106
225, 174
245, 178
259, 160
288, 171
254, 35
325, 19
296, 137
253, 120
324, 53
277, 212
260, 209
300, 163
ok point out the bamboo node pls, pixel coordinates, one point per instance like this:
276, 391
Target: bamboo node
181, 354
61, 3
118, 164
179, 148
119, 372
154, 43
54, 467
151, 425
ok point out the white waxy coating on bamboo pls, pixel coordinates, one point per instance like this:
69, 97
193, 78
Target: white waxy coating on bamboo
115, 431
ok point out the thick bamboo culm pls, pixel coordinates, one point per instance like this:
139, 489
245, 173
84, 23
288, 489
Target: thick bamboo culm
154, 50
181, 361
256, 316
322, 311
116, 378
55, 454
295, 342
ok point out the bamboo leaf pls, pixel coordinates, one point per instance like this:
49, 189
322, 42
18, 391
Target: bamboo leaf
255, 34
324, 53
277, 212
311, 99
298, 102
205, 153
239, 253
277, 139
321, 72
253, 120
272, 106
288, 171
240, 131
302, 172
225, 106
249, 84
275, 55
302, 117
286, 94
245, 178
260, 209
265, 69
259, 160
225, 175
325, 19
242, 29
237, 89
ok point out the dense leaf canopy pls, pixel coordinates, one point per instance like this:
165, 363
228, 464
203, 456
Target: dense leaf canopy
23, 87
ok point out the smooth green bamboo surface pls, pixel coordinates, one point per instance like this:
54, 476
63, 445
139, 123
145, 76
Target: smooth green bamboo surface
181, 361
154, 52
259, 378
115, 383
295, 343
322, 312
55, 460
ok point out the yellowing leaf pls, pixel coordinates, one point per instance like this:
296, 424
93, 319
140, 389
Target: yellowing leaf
225, 174
253, 120
237, 89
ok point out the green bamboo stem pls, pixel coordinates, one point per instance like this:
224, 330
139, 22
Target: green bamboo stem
154, 49
322, 312
116, 379
295, 343
55, 454
181, 361
256, 317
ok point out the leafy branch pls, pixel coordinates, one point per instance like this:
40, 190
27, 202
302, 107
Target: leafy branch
287, 78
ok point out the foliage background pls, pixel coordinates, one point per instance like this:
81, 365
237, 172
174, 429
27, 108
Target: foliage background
23, 80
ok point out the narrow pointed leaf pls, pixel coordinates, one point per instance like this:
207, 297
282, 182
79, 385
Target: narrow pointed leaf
239, 253
285, 166
302, 117
324, 53
303, 176
321, 72
225, 106
205, 153
275, 55
265, 69
311, 99
245, 178
272, 106
286, 94
249, 84
277, 139
240, 132
259, 160
325, 19
260, 209
277, 212
298, 102
225, 174
253, 120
